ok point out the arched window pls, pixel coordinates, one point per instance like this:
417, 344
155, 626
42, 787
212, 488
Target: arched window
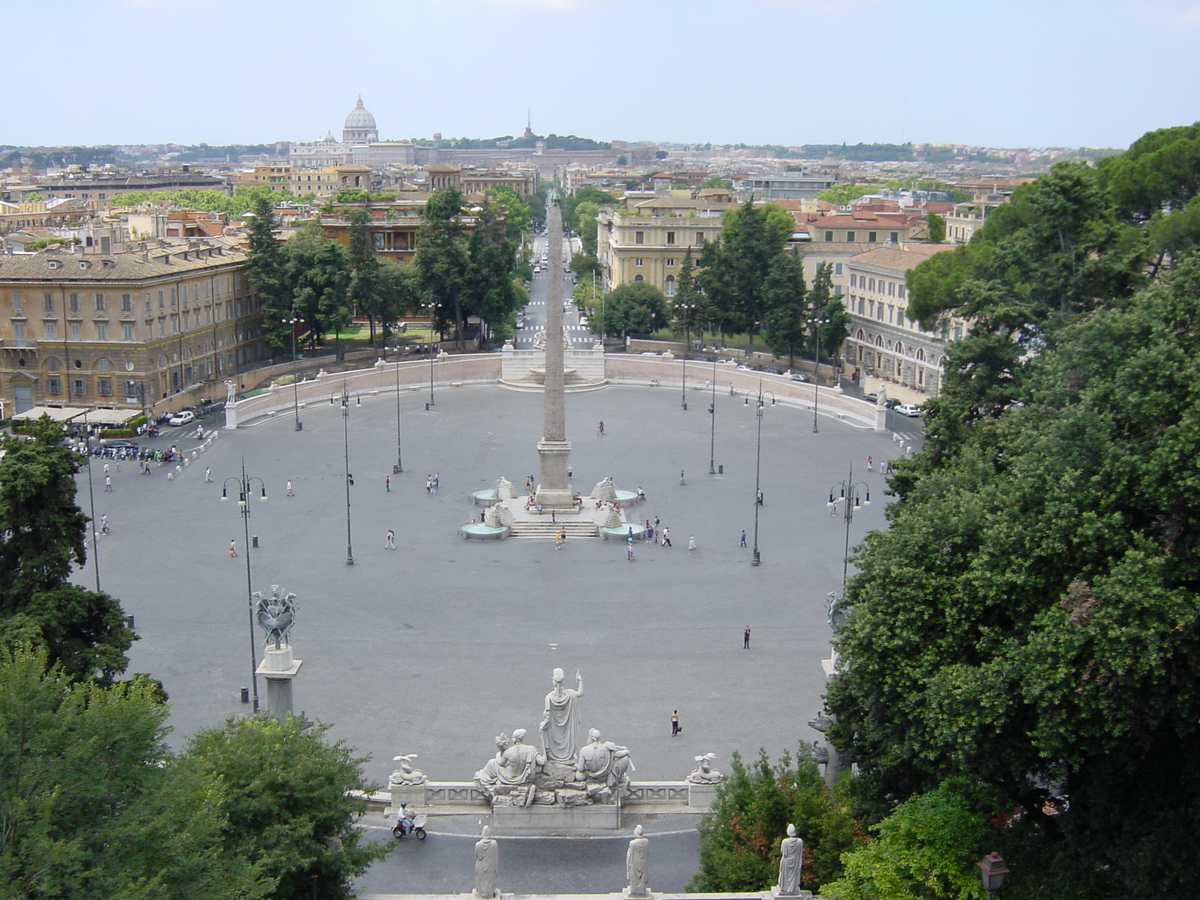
670, 286
51, 364
878, 340
639, 278
162, 360
103, 365
860, 336
920, 354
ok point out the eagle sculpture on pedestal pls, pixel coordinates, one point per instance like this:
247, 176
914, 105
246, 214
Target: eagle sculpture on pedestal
276, 614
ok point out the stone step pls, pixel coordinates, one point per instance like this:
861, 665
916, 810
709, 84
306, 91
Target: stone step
547, 530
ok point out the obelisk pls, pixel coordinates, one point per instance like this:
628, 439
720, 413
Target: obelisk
554, 488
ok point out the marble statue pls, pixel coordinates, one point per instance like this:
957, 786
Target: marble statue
791, 850
539, 339
487, 857
519, 762
231, 392
603, 767
407, 774
275, 614
704, 773
881, 396
560, 721
637, 865
488, 777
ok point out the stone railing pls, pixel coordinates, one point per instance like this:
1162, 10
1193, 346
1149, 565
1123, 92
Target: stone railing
466, 793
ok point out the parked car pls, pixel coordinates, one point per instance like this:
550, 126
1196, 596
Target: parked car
745, 368
119, 444
908, 409
183, 417
771, 370
799, 376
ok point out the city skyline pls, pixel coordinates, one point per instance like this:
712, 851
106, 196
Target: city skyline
1063, 73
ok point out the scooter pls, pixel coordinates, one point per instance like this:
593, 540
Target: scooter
409, 824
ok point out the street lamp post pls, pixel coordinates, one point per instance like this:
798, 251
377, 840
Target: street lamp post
344, 397
244, 487
295, 381
854, 494
817, 370
712, 423
433, 348
87, 436
755, 559
399, 467
686, 346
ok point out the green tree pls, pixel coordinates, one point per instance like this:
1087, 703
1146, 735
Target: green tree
786, 299
688, 306
637, 307
41, 539
737, 265
937, 228
317, 272
365, 287
266, 271
716, 181
832, 321
494, 295
925, 850
739, 839
1031, 619
80, 775
400, 292
443, 261
284, 799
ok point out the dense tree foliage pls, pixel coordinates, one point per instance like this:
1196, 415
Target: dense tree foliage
739, 839
1031, 619
316, 273
42, 534
637, 307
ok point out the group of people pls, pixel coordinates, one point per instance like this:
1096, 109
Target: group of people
431, 483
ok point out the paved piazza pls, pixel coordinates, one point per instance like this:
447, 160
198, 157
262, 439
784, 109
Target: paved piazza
435, 647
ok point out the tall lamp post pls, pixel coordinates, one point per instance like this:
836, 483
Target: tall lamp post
686, 346
712, 423
87, 436
399, 467
755, 559
853, 494
292, 322
244, 486
433, 348
344, 396
817, 323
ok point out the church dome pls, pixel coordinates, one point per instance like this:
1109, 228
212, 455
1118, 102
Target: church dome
360, 125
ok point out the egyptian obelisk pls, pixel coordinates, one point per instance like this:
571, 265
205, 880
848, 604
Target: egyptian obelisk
554, 489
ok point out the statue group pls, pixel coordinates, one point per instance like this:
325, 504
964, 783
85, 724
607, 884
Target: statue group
563, 772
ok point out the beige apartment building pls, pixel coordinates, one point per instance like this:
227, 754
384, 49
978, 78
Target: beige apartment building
123, 330
883, 340
647, 241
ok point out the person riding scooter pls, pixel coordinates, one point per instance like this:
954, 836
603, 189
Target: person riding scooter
404, 820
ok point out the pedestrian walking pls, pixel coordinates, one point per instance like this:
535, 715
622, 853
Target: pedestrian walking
746, 638
108, 483
691, 542
629, 548
758, 498
675, 729
666, 537
106, 468
869, 463
429, 484
232, 547
290, 492
437, 480
207, 475
389, 540
104, 524
681, 481
601, 426
743, 537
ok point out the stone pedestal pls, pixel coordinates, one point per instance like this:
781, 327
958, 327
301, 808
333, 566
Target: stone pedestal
701, 796
554, 491
552, 820
412, 795
279, 668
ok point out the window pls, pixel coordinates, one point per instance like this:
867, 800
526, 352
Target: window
891, 289
638, 262
53, 385
670, 263
50, 331
160, 299
187, 316
174, 296
670, 237
104, 387
48, 300
837, 290
829, 237
127, 303
900, 292
99, 303
894, 237
639, 237
669, 286
131, 389
162, 327
850, 236
837, 268
73, 300
639, 278
18, 302
853, 280
19, 333
871, 287
872, 236
76, 332
102, 331
127, 330
207, 290
78, 387
699, 238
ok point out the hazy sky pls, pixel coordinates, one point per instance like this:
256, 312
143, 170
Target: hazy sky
1002, 73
